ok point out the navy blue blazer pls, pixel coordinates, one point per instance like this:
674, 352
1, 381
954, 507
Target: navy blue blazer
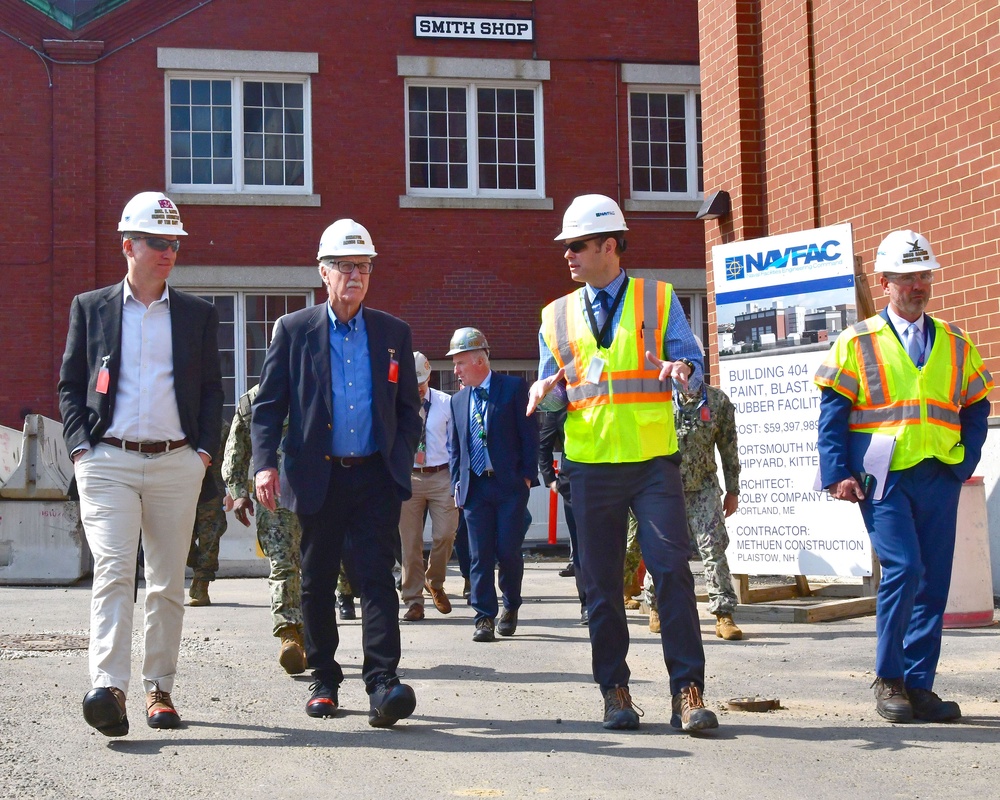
511, 437
95, 331
295, 382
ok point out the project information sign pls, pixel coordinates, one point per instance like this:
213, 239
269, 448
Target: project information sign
781, 301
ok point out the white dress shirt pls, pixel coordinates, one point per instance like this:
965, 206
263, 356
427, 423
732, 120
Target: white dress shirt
438, 425
145, 403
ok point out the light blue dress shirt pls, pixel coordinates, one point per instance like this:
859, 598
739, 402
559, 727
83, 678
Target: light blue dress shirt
351, 378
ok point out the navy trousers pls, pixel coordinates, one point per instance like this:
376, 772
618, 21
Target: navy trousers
912, 529
495, 519
359, 523
602, 496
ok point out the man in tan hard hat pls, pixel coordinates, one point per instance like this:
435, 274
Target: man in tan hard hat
140, 393
915, 388
343, 375
608, 354
431, 495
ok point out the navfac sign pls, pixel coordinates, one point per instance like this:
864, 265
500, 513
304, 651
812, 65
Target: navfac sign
473, 28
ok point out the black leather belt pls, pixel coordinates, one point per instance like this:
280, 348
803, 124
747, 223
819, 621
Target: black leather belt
353, 461
486, 473
438, 468
145, 447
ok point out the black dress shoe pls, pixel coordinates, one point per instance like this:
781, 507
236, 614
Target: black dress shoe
323, 702
891, 701
569, 571
484, 631
584, 616
928, 707
466, 589
390, 702
104, 709
346, 604
508, 622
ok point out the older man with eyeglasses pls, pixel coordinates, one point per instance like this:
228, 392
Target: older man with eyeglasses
343, 374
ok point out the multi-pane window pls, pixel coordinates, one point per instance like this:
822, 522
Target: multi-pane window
473, 140
246, 320
238, 134
665, 139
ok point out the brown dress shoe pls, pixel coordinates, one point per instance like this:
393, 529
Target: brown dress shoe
441, 601
199, 593
414, 613
654, 621
160, 711
292, 654
104, 709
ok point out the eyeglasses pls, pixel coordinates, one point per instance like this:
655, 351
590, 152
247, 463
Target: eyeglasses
580, 244
158, 244
909, 278
347, 267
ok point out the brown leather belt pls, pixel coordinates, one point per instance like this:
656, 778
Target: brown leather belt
145, 447
354, 461
438, 468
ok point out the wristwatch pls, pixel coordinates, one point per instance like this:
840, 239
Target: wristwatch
687, 362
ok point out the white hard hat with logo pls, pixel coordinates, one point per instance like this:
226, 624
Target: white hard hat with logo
905, 251
151, 212
465, 340
345, 238
423, 367
590, 214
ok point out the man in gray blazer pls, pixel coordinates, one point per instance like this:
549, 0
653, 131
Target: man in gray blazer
140, 393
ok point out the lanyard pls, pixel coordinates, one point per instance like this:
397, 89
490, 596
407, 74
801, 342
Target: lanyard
599, 334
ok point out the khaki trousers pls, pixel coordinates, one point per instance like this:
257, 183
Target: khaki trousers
431, 493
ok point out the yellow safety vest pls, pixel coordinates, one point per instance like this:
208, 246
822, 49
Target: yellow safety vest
627, 416
919, 407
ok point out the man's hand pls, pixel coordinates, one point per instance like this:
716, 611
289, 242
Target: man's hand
848, 489
206, 459
730, 503
268, 488
539, 389
227, 502
676, 370
554, 486
242, 507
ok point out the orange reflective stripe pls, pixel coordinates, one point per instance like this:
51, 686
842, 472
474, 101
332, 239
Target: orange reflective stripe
977, 389
941, 414
642, 397
871, 366
959, 350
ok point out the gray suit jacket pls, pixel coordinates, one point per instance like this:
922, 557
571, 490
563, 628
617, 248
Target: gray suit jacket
95, 331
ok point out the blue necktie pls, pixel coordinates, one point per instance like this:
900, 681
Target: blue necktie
604, 300
477, 432
914, 346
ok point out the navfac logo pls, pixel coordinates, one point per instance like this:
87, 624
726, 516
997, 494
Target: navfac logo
737, 267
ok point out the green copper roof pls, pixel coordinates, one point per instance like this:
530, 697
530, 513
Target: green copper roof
73, 14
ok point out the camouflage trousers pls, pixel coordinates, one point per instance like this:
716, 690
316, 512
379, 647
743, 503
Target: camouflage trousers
209, 525
709, 539
280, 537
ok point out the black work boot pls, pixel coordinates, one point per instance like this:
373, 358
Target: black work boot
928, 707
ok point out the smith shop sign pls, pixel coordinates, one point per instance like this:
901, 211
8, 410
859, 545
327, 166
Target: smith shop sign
473, 28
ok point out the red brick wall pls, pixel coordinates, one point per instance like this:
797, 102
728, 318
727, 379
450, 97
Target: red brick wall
438, 269
906, 118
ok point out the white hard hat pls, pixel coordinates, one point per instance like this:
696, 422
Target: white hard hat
591, 213
151, 212
346, 238
905, 251
422, 365
467, 339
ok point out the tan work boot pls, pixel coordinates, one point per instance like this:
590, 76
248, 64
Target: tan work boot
292, 655
726, 629
631, 603
654, 621
199, 593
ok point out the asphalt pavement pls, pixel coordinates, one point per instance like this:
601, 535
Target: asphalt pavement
518, 718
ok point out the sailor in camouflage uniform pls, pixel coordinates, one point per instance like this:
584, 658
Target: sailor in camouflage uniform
279, 536
706, 421
209, 525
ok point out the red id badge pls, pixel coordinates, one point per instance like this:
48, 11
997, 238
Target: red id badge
103, 380
706, 415
393, 371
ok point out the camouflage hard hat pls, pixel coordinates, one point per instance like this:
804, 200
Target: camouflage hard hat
466, 339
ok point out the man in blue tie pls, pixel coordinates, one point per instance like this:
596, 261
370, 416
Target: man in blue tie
494, 463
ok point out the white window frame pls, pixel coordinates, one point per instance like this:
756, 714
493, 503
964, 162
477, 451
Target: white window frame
471, 88
239, 185
691, 93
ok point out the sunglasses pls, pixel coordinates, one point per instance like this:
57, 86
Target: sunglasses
580, 244
158, 244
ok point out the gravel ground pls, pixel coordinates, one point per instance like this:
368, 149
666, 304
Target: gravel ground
514, 719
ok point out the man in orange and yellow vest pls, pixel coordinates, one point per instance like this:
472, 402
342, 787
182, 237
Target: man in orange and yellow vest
609, 352
905, 375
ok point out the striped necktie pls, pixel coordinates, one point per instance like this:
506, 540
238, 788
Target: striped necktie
477, 431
